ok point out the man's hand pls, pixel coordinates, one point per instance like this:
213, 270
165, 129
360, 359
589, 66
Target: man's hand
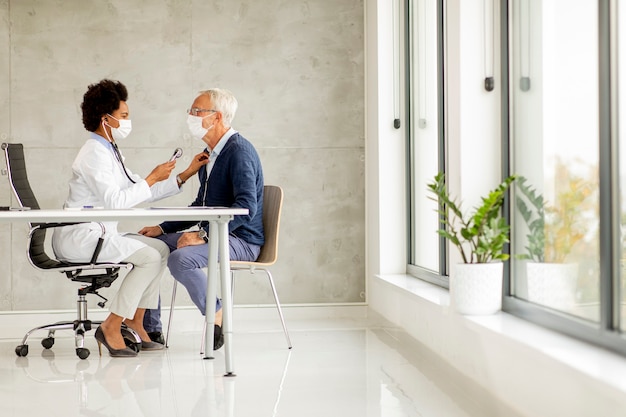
189, 239
151, 231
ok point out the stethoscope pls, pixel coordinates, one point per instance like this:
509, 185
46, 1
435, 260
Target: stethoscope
118, 156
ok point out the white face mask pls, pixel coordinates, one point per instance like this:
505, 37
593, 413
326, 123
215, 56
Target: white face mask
123, 130
195, 126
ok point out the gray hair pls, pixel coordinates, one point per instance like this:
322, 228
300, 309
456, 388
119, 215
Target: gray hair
223, 101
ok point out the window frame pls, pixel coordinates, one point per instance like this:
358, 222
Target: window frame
441, 277
607, 332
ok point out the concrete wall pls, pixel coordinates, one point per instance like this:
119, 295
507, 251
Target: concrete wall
297, 69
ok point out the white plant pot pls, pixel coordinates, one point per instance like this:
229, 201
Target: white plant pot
551, 284
476, 289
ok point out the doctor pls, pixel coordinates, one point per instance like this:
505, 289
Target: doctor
100, 178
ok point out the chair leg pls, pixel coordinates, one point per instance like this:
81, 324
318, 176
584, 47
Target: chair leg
62, 325
80, 328
280, 310
169, 322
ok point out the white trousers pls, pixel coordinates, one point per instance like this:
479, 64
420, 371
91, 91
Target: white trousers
140, 287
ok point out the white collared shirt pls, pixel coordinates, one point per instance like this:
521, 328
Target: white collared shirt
215, 152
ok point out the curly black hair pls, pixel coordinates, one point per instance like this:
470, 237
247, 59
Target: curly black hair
101, 99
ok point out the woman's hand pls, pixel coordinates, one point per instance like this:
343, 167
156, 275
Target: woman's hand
151, 231
160, 172
196, 163
194, 166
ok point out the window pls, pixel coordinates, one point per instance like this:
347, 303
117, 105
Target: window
425, 33
621, 99
567, 262
555, 137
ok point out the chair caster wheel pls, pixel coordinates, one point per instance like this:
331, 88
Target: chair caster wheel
48, 342
129, 339
82, 353
21, 350
133, 345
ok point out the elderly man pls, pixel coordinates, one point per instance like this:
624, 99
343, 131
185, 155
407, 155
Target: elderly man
233, 177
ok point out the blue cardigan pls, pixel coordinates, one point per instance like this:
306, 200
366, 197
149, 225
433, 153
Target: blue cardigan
236, 180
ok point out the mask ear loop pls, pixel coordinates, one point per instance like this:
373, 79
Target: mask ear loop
117, 153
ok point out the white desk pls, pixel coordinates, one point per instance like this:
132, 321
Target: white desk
218, 219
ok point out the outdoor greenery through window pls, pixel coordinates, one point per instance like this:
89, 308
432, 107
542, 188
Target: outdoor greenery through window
565, 61
555, 137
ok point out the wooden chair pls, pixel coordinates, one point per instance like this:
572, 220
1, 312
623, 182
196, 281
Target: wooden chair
272, 207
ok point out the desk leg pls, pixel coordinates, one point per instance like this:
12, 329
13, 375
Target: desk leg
211, 289
227, 297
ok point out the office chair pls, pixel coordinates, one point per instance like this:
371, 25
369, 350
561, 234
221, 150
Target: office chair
92, 275
272, 207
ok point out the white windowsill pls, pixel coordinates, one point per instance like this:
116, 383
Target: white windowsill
594, 362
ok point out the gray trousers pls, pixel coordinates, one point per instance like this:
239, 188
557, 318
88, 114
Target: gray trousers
185, 265
140, 287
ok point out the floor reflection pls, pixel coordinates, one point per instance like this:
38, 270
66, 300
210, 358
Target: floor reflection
338, 367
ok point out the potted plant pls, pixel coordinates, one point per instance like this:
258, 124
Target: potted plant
553, 232
479, 236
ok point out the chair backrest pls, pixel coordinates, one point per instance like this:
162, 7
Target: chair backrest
18, 178
272, 207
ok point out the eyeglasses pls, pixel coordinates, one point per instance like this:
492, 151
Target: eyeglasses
194, 111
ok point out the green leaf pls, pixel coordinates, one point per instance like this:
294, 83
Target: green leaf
484, 232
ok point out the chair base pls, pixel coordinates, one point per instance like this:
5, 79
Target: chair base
80, 327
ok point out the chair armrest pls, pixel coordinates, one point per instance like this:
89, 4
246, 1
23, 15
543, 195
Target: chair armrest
96, 252
52, 225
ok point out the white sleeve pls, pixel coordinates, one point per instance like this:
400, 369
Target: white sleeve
164, 189
102, 174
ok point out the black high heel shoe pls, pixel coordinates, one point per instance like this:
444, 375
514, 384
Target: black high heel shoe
115, 353
151, 345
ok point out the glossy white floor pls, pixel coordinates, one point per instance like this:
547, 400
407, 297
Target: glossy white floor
338, 367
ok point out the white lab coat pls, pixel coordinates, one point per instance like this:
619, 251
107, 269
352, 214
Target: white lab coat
98, 181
